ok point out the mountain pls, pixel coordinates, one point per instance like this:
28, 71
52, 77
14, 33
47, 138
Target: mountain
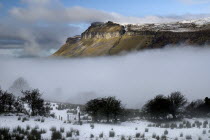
102, 39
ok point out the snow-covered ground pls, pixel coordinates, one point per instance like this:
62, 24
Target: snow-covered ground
127, 129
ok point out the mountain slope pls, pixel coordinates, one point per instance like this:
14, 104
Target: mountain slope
102, 39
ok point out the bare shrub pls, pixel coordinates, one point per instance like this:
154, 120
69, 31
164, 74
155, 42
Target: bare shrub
111, 134
166, 132
138, 135
188, 137
53, 129
56, 135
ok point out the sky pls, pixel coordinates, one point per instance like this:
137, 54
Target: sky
37, 28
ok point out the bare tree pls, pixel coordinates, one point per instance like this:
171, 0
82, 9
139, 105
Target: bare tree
35, 102
157, 108
177, 103
109, 108
19, 85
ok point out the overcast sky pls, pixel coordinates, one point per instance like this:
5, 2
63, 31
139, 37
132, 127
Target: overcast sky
39, 27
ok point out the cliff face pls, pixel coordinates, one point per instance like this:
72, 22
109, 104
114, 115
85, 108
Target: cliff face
109, 38
103, 31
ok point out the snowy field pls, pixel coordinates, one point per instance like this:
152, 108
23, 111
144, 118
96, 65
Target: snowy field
124, 130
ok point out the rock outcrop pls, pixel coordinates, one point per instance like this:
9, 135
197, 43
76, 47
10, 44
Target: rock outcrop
102, 39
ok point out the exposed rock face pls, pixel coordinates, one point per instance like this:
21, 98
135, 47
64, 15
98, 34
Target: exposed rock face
109, 38
103, 30
74, 39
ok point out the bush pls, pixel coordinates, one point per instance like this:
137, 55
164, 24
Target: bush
149, 125
28, 127
154, 135
19, 118
204, 132
56, 135
43, 131
42, 120
53, 129
173, 125
111, 134
62, 130
158, 125
122, 137
138, 135
142, 136
20, 130
101, 135
188, 125
34, 135
198, 124
77, 132
166, 125
108, 107
25, 119
188, 137
205, 122
92, 126
91, 136
181, 126
5, 133
181, 135
163, 137
18, 136
36, 127
166, 132
69, 134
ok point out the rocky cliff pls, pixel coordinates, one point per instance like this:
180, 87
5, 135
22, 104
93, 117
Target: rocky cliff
109, 38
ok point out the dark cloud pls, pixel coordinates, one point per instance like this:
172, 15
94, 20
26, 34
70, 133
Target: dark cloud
34, 38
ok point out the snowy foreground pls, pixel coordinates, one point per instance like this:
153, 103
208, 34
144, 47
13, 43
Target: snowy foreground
124, 130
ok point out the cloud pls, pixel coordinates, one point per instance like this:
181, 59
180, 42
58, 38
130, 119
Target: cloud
43, 25
133, 78
54, 11
35, 39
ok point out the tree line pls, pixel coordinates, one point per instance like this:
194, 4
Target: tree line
160, 108
30, 98
175, 106
110, 109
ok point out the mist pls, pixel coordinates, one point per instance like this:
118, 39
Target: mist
134, 78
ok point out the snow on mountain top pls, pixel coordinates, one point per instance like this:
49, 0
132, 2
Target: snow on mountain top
201, 21
197, 21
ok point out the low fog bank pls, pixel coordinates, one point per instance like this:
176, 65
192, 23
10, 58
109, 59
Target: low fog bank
133, 78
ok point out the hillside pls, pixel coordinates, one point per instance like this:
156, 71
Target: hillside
102, 39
